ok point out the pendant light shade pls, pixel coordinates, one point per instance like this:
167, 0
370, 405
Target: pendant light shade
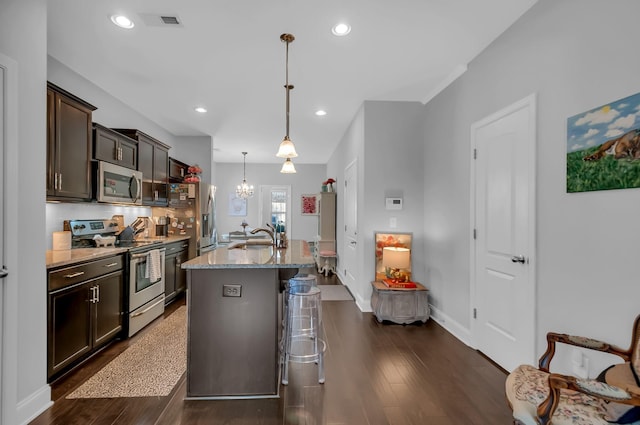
244, 190
287, 167
287, 149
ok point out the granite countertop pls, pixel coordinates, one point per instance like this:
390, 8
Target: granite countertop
296, 255
68, 257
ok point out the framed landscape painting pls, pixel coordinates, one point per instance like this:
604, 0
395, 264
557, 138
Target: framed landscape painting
603, 147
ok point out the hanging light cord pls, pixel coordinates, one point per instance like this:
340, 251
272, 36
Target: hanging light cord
244, 167
287, 38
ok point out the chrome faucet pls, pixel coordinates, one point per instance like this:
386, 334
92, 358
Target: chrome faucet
267, 231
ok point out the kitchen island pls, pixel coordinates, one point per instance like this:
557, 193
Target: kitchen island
233, 325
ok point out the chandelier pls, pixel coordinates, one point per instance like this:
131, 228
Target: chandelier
287, 149
244, 190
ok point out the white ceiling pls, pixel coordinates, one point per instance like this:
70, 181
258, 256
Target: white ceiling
227, 56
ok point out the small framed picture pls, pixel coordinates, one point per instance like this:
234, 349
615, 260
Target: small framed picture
398, 240
309, 204
237, 206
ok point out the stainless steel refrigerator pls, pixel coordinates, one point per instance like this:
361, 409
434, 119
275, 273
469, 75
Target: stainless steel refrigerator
194, 214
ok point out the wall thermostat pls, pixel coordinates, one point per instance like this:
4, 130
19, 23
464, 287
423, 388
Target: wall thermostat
393, 203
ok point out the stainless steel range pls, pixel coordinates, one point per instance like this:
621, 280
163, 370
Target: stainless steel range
144, 276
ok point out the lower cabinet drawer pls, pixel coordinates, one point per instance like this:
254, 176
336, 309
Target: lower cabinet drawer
79, 273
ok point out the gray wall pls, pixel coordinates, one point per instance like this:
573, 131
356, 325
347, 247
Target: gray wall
576, 55
308, 179
386, 139
23, 31
111, 112
195, 150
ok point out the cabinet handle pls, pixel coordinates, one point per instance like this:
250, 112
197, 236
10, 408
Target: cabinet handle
97, 293
55, 181
110, 265
185, 245
119, 154
76, 274
60, 181
93, 295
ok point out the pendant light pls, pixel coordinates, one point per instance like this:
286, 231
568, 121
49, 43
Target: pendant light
244, 190
287, 149
287, 167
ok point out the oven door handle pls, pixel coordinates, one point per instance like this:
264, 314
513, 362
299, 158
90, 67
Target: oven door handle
144, 255
140, 313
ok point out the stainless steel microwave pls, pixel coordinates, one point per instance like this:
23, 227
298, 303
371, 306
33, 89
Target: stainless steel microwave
119, 185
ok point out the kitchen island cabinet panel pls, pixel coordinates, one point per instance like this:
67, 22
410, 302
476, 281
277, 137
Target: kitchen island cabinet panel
69, 145
233, 340
234, 318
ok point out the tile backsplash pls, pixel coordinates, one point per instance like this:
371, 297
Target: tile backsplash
58, 212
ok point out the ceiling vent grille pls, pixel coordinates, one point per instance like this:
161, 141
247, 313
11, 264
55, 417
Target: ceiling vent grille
161, 20
170, 20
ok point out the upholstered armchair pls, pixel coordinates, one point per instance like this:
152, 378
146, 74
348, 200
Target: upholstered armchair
538, 397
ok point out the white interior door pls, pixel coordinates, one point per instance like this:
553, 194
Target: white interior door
349, 262
503, 220
2, 263
8, 197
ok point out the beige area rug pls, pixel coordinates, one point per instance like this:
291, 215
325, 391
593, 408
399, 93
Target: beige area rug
150, 367
335, 293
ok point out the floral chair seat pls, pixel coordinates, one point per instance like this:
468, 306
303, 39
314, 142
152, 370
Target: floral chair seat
527, 387
540, 397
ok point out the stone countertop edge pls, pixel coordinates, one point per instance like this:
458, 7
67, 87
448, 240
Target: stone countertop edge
67, 257
296, 255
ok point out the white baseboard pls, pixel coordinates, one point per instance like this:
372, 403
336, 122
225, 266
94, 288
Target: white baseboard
32, 406
451, 326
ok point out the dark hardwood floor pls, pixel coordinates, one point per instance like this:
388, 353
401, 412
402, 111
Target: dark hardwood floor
376, 374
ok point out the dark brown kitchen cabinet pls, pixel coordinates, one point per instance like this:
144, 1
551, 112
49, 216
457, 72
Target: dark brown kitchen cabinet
113, 147
153, 161
68, 145
175, 280
84, 311
178, 170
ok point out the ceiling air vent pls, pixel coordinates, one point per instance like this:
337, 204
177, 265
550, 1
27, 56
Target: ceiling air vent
161, 20
170, 20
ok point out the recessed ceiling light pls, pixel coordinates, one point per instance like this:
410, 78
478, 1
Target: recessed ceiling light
122, 21
201, 109
321, 113
341, 29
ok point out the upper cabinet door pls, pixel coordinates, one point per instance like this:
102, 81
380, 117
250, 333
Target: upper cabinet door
113, 147
70, 141
153, 161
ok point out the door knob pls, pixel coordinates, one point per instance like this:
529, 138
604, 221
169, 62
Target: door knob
518, 259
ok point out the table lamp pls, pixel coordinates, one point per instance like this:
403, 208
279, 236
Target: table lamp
397, 264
